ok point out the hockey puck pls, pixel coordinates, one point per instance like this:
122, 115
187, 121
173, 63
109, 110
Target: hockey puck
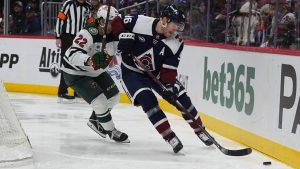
267, 163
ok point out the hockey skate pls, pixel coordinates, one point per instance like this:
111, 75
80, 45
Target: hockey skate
94, 124
176, 144
204, 138
65, 98
118, 136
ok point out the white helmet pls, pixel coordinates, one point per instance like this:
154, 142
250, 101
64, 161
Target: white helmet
246, 6
288, 18
102, 12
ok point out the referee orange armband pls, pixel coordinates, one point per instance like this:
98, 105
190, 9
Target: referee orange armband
61, 16
90, 20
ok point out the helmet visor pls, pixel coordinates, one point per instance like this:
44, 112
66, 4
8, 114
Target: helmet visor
179, 25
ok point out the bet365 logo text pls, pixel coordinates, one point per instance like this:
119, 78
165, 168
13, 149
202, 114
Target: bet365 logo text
230, 86
288, 97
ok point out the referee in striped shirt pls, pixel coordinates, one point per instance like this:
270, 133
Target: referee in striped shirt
74, 15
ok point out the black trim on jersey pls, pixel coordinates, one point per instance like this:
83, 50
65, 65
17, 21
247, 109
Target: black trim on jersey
76, 49
180, 49
73, 67
77, 68
80, 68
67, 65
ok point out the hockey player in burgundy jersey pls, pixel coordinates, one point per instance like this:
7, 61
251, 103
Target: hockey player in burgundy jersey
156, 44
84, 69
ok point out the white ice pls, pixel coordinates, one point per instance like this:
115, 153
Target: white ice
61, 140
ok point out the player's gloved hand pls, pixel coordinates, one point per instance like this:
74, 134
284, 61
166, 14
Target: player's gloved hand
101, 59
117, 26
126, 42
172, 92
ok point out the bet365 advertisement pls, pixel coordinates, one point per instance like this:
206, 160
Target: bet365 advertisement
257, 92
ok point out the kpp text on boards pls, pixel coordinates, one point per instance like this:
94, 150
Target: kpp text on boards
8, 59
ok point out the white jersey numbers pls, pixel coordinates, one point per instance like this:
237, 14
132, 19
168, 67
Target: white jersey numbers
127, 19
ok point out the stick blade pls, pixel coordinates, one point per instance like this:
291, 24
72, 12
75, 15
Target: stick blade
241, 152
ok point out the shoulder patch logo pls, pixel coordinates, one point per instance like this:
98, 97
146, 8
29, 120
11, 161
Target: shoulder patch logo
142, 39
93, 31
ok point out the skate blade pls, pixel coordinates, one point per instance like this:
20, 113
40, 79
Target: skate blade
125, 141
66, 101
95, 129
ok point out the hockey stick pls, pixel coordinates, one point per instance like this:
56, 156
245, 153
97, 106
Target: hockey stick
240, 152
105, 29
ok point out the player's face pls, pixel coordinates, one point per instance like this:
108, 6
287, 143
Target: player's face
102, 26
172, 28
94, 2
81, 1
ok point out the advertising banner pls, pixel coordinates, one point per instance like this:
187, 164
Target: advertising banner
29, 61
36, 62
252, 92
257, 92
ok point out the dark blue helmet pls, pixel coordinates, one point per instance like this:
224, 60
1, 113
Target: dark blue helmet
173, 14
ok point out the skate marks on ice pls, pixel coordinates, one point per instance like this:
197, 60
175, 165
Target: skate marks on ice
61, 139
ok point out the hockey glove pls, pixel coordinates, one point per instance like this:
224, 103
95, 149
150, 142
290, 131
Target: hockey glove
172, 92
117, 26
101, 59
126, 42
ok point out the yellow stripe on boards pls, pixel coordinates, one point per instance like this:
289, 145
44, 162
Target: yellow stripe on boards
266, 146
30, 88
282, 153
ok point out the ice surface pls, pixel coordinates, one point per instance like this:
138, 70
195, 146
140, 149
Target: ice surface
61, 140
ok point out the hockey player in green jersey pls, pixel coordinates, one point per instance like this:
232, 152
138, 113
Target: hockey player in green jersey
84, 70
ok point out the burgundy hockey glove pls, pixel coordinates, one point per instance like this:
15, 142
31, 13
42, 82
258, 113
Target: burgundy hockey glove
117, 26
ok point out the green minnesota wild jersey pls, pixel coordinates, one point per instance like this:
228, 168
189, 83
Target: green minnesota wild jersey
86, 43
